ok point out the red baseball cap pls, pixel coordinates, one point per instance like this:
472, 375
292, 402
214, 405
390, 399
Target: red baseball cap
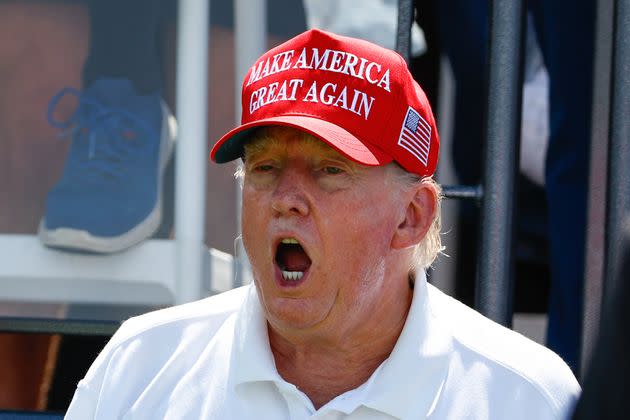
355, 96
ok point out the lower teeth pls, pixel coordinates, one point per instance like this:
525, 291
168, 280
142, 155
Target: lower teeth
292, 275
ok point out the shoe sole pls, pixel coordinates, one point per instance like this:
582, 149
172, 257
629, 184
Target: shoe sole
82, 240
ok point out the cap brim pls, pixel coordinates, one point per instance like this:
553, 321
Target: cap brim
230, 146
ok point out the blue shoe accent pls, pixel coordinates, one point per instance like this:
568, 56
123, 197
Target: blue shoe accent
109, 196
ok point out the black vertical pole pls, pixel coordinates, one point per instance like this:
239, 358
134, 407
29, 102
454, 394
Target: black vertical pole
403, 34
494, 289
403, 47
619, 147
595, 243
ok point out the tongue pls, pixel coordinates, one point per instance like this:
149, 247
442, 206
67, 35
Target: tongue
294, 259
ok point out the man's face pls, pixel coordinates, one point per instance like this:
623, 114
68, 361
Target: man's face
318, 231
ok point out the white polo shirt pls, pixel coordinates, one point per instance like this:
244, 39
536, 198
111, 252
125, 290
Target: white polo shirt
211, 359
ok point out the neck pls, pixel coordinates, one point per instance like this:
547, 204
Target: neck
324, 367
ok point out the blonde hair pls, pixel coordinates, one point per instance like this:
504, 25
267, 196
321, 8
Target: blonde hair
426, 251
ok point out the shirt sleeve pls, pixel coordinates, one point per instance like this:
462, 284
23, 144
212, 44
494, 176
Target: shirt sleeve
83, 405
85, 402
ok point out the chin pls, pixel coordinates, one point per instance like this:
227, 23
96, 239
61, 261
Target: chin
291, 313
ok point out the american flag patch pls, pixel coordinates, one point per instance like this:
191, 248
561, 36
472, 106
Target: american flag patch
415, 136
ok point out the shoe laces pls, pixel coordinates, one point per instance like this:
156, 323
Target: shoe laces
112, 133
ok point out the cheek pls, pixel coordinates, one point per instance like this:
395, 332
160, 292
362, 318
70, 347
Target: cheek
253, 203
360, 238
367, 226
252, 221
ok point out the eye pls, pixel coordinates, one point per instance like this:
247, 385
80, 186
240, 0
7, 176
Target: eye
332, 170
263, 168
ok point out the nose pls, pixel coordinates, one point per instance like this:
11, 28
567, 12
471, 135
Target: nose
290, 197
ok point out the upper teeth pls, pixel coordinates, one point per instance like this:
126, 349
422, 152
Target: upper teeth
289, 241
292, 275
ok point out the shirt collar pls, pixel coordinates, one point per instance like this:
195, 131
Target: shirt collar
410, 381
252, 360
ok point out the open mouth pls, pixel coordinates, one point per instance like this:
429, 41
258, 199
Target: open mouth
292, 259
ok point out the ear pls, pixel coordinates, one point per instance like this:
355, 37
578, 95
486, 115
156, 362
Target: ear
418, 216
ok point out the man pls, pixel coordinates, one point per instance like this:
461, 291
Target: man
339, 210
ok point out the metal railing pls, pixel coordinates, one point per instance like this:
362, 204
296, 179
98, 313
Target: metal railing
619, 147
497, 192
